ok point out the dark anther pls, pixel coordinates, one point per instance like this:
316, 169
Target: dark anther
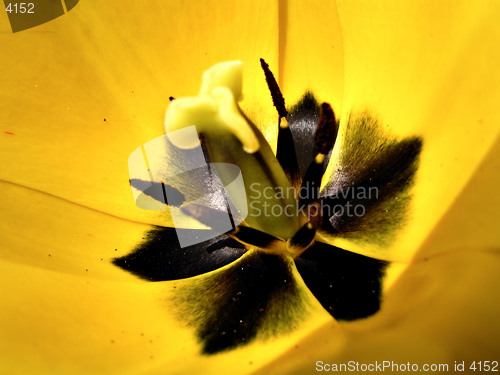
326, 131
278, 100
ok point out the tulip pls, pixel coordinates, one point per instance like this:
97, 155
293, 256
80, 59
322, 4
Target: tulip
80, 93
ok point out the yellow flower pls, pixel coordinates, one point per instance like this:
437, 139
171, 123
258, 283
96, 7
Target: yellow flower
80, 93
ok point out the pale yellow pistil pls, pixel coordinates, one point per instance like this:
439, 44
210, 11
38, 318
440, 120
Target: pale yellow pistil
230, 138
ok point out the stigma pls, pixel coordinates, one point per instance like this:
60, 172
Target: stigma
214, 109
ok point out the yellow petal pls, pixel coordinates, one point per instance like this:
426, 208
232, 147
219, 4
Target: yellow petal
59, 323
311, 52
425, 69
62, 306
442, 308
46, 232
471, 221
85, 90
105, 51
66, 309
440, 311
428, 69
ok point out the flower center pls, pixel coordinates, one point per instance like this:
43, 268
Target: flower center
283, 209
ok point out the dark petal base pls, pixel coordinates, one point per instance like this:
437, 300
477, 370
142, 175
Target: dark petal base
347, 285
159, 257
303, 119
373, 176
255, 297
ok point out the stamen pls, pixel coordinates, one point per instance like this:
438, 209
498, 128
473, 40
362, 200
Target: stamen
285, 153
301, 240
315, 215
217, 220
326, 131
283, 123
324, 140
278, 100
256, 238
320, 158
311, 183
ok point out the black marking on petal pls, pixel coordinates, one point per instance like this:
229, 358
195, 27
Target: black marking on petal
277, 96
374, 173
347, 285
159, 191
302, 120
161, 258
256, 297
